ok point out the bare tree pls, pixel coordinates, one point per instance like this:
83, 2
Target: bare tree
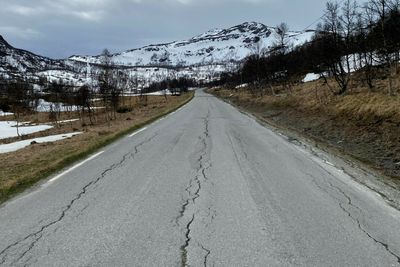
365, 46
338, 29
119, 85
106, 82
282, 40
84, 100
348, 21
19, 94
381, 9
56, 91
257, 54
69, 101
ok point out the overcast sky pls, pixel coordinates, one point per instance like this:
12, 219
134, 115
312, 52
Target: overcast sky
60, 28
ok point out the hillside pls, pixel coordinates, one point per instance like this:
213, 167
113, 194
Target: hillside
16, 62
218, 46
203, 57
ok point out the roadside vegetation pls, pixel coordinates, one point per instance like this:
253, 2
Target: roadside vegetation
364, 125
352, 105
97, 113
350, 38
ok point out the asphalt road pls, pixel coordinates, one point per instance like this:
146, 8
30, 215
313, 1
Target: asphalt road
206, 186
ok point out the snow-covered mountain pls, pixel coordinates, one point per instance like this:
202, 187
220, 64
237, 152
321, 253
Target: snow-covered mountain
202, 57
16, 62
218, 46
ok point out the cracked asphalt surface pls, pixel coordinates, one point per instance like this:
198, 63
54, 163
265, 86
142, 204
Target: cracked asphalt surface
206, 186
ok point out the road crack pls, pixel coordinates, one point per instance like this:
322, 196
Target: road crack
350, 203
208, 252
185, 246
193, 191
29, 241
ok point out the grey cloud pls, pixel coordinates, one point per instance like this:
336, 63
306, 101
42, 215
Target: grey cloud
60, 28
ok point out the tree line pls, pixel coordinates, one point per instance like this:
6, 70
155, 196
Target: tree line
350, 38
103, 96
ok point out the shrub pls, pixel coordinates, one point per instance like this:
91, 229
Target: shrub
124, 109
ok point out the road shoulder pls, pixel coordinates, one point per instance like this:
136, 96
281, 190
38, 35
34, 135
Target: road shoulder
357, 170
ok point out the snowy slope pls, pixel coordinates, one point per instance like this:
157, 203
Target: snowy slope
203, 57
16, 62
218, 46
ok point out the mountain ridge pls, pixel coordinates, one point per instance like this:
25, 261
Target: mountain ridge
214, 46
202, 57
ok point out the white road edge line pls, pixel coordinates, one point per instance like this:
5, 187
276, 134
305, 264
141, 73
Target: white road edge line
160, 119
139, 131
74, 167
329, 163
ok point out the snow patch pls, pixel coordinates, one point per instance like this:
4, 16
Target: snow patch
2, 113
158, 93
45, 106
311, 77
242, 86
8, 129
7, 148
66, 121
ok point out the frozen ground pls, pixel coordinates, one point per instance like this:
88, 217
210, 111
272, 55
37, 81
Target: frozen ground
8, 129
159, 93
6, 148
66, 121
44, 106
311, 77
2, 113
242, 85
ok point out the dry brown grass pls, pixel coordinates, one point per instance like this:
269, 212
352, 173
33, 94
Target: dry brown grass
359, 103
23, 168
366, 106
363, 124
